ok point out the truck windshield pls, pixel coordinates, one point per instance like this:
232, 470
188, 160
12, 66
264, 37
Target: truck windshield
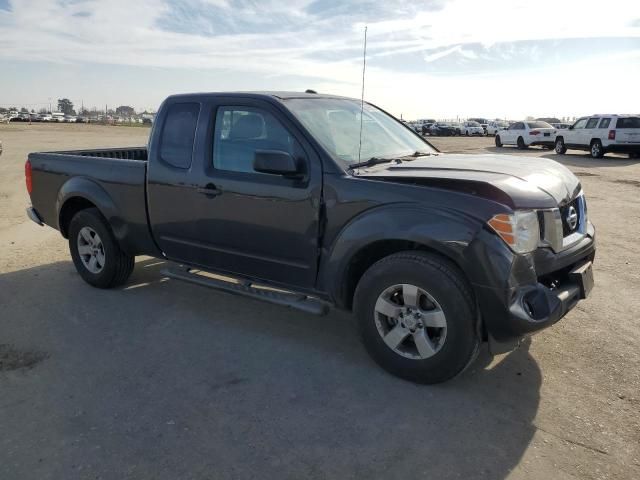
335, 124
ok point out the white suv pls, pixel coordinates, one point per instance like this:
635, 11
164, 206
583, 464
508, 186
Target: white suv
600, 134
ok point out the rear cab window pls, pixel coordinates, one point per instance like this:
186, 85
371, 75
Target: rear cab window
178, 134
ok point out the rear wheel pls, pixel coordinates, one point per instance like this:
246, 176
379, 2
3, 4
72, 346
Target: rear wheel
596, 149
520, 143
560, 146
634, 155
498, 141
95, 251
417, 317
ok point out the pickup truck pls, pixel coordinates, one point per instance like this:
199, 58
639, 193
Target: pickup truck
317, 201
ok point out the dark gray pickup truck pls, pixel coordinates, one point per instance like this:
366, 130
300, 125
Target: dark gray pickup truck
313, 201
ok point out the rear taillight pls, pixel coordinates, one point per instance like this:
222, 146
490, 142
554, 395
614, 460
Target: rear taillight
612, 134
534, 132
28, 177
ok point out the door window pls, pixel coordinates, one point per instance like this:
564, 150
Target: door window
517, 126
178, 133
240, 131
604, 123
580, 123
592, 123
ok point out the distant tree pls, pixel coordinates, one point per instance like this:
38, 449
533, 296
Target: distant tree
3, 110
65, 106
33, 111
125, 111
43, 110
529, 117
24, 110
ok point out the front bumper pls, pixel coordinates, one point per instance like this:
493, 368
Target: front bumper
541, 289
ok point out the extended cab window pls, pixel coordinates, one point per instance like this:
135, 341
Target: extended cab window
178, 133
592, 122
604, 123
241, 131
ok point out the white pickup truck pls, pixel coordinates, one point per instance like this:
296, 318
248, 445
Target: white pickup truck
600, 134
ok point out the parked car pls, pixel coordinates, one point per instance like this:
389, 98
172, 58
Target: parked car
494, 126
526, 134
69, 119
484, 123
46, 117
426, 128
433, 252
601, 134
471, 128
443, 129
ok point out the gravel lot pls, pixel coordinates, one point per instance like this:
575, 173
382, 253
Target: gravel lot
165, 380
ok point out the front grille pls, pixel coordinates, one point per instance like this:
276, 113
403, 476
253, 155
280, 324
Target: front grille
571, 216
562, 227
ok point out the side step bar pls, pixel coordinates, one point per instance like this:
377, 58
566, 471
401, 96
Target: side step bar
246, 288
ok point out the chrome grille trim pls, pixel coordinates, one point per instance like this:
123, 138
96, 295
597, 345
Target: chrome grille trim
553, 236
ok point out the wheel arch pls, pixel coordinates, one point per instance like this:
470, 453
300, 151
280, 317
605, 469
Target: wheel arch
366, 240
80, 193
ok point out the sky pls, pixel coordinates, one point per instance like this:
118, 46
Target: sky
439, 59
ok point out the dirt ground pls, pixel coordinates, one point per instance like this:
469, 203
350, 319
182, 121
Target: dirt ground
164, 380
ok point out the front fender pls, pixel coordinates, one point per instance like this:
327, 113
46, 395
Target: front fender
446, 231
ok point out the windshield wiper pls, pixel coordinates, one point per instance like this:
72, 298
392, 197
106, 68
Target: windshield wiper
376, 161
421, 154
372, 161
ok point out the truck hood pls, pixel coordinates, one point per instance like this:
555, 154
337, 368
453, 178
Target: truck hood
520, 182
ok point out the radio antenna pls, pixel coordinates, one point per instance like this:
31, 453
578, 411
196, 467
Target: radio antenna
364, 67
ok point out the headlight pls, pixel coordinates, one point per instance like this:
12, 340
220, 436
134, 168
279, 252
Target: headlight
519, 230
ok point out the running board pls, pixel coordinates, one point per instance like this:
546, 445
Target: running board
246, 288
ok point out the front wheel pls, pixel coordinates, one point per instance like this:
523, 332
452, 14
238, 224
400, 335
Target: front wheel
498, 141
521, 144
95, 251
596, 149
561, 148
417, 317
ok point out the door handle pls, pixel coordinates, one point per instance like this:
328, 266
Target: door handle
209, 190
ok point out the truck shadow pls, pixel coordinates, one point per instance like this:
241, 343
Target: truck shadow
173, 379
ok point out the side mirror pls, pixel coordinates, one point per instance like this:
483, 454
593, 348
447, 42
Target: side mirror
570, 127
275, 162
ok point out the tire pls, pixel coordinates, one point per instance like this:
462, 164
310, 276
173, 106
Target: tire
444, 298
520, 143
596, 149
466, 133
498, 141
112, 266
560, 148
634, 155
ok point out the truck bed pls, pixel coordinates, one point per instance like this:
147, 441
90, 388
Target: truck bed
137, 153
113, 177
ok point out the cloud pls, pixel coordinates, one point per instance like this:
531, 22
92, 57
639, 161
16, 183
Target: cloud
317, 42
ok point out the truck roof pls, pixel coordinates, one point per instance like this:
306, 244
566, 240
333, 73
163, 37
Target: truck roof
259, 94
